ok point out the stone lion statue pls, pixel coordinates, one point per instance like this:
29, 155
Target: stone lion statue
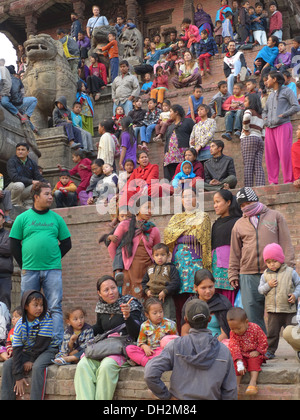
48, 76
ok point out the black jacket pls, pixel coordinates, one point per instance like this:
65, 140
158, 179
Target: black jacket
20, 172
6, 259
183, 132
218, 168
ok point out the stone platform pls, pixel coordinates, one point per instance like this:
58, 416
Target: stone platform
279, 380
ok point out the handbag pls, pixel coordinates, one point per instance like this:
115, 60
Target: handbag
106, 344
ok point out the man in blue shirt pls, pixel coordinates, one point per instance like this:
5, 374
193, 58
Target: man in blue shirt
95, 21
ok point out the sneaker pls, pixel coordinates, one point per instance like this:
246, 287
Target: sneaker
237, 133
75, 146
226, 136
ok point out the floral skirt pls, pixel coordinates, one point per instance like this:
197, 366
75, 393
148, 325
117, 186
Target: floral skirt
220, 274
187, 267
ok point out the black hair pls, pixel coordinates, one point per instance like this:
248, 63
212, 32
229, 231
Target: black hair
201, 275
274, 39
187, 20
234, 208
259, 4
76, 103
124, 62
221, 83
151, 301
219, 143
128, 160
192, 150
179, 109
60, 31
274, 74
152, 99
127, 242
126, 124
204, 31
37, 188
166, 101
161, 246
207, 109
197, 87
236, 314
254, 102
108, 125
297, 39
103, 279
98, 162
23, 145
68, 312
95, 56
34, 295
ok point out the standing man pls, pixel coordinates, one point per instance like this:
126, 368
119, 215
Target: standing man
95, 21
76, 26
6, 264
124, 88
23, 173
39, 240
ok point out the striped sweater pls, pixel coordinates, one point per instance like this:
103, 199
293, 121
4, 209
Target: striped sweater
253, 123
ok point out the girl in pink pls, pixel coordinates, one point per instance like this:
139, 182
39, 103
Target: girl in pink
191, 35
154, 334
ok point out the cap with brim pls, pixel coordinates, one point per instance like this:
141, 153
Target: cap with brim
197, 312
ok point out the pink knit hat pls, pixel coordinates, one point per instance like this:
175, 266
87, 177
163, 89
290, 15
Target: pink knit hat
273, 252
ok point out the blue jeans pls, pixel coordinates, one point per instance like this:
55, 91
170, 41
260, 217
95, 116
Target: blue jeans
5, 102
28, 105
114, 68
233, 120
127, 105
51, 283
146, 132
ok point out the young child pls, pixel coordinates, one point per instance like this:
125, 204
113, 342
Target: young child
64, 191
87, 140
118, 266
82, 168
245, 22
154, 334
33, 349
283, 60
86, 196
248, 345
128, 142
218, 33
119, 114
288, 82
128, 167
6, 352
295, 60
234, 106
107, 144
106, 188
149, 122
227, 29
112, 51
137, 115
251, 86
207, 48
194, 101
226, 41
76, 336
147, 84
159, 86
87, 109
62, 117
280, 284
162, 280
180, 53
186, 173
275, 21
218, 99
191, 35
259, 25
164, 121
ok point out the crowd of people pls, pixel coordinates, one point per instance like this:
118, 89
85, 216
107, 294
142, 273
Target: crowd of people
195, 299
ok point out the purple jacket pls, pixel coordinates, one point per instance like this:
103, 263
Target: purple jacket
84, 43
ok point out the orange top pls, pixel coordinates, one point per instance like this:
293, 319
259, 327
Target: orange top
111, 49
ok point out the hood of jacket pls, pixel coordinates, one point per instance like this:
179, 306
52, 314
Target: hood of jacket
62, 100
25, 296
191, 175
199, 348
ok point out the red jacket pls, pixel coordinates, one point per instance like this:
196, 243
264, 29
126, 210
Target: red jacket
296, 159
102, 72
160, 81
275, 22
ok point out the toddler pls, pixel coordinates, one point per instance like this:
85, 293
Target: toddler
281, 286
64, 191
248, 345
164, 121
154, 334
120, 113
124, 175
186, 172
107, 187
76, 336
6, 352
162, 280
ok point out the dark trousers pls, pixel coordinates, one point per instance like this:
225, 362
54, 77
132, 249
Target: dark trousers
275, 322
5, 291
143, 69
72, 132
94, 84
169, 171
65, 200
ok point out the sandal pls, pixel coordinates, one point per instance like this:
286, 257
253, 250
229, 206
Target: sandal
60, 361
251, 390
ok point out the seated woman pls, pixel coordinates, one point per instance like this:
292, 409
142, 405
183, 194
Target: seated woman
144, 180
204, 286
97, 379
191, 155
189, 73
97, 79
265, 58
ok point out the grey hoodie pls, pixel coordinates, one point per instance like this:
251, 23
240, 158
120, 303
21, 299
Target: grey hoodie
202, 369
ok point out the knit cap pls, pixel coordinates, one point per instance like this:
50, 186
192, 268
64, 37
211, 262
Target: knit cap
245, 195
273, 252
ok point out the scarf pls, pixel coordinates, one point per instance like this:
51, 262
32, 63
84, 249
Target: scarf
252, 211
202, 17
114, 308
144, 227
268, 54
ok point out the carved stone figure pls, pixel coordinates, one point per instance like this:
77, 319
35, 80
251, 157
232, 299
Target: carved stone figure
47, 77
